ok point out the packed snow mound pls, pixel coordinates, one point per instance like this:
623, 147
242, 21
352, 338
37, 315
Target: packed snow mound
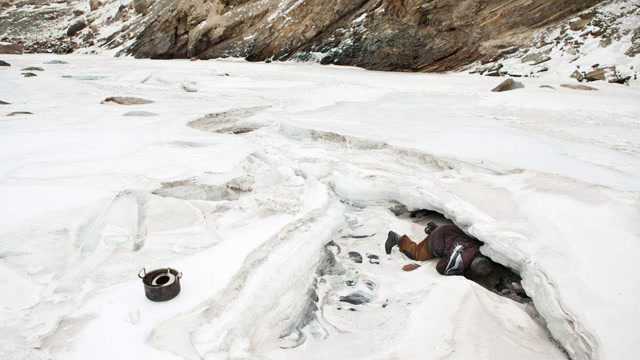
261, 222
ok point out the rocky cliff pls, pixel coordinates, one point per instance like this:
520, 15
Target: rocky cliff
411, 35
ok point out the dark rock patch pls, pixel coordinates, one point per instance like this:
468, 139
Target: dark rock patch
4, 63
507, 85
33, 68
126, 100
373, 259
237, 130
55, 62
2, 102
29, 74
370, 284
356, 298
547, 87
189, 88
622, 80
16, 113
355, 257
76, 27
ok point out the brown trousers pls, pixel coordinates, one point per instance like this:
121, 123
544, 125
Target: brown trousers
418, 252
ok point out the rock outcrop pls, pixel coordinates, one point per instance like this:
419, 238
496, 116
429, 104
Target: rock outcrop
408, 35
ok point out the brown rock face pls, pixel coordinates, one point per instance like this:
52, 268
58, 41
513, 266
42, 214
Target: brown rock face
11, 48
411, 35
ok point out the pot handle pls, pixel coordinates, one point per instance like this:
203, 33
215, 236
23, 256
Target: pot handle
142, 273
180, 275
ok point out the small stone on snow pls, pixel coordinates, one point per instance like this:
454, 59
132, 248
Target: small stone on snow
126, 100
507, 85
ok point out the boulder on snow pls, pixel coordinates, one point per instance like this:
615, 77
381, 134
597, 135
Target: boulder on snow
578, 24
535, 58
4, 103
577, 75
597, 74
29, 74
4, 63
55, 62
126, 100
76, 27
578, 87
620, 79
507, 85
8, 48
33, 68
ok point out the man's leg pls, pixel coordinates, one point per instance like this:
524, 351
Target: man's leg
419, 252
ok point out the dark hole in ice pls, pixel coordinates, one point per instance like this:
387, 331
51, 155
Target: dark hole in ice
356, 298
501, 280
355, 257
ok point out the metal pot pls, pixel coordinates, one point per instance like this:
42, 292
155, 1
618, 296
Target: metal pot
161, 284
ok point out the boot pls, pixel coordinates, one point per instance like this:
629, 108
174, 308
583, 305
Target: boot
392, 240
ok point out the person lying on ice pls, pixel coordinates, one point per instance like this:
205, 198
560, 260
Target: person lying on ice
458, 252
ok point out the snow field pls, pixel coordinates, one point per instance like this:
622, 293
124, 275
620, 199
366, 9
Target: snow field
544, 177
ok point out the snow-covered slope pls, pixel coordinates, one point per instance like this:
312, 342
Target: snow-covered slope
606, 37
298, 160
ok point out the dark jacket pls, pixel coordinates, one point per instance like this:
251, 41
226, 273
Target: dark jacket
455, 248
